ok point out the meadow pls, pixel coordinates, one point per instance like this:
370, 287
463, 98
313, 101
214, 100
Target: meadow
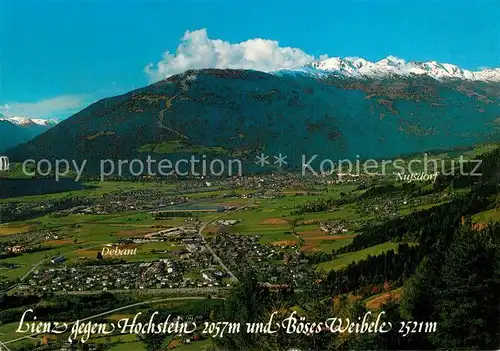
344, 260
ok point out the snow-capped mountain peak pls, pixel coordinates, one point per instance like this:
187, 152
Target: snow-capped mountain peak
25, 121
393, 66
392, 61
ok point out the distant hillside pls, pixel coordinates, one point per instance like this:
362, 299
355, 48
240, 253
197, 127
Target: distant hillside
239, 113
18, 130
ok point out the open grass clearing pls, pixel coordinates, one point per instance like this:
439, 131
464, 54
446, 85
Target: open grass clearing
345, 259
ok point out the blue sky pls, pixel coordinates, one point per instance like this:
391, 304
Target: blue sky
58, 56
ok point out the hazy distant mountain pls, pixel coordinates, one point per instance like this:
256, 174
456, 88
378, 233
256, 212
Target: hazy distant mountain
18, 130
25, 121
325, 108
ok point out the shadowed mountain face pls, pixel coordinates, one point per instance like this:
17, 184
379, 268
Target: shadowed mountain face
12, 134
240, 113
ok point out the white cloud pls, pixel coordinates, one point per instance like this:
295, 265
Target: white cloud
197, 51
60, 106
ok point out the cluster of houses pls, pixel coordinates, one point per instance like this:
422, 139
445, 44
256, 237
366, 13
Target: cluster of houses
161, 274
275, 181
26, 242
227, 222
89, 278
123, 201
273, 264
334, 227
189, 265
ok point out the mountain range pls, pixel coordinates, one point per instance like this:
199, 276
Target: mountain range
335, 108
18, 130
395, 67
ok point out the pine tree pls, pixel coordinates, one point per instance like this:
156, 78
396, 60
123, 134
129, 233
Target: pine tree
468, 294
